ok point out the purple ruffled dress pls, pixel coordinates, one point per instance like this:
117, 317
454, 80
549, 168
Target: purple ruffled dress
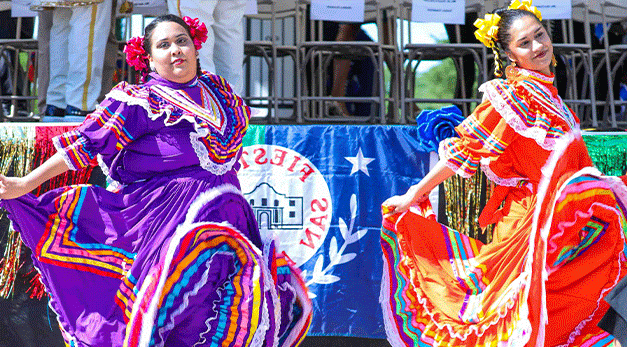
170, 253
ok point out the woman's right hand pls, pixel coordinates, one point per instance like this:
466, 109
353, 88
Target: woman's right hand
13, 187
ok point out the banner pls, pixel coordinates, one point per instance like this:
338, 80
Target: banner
21, 8
439, 11
149, 7
338, 10
251, 7
552, 9
318, 189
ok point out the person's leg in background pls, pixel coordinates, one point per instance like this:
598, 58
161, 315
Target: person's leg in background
361, 81
110, 57
6, 83
43, 58
223, 53
203, 10
228, 48
341, 68
7, 86
87, 41
58, 62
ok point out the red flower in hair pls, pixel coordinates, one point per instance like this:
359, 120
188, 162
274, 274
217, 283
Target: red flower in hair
198, 31
135, 54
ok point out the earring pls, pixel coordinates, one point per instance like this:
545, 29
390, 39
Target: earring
554, 61
513, 63
152, 67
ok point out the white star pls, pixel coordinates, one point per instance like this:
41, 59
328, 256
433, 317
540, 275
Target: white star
360, 163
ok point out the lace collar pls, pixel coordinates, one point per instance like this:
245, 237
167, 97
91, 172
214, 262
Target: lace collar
516, 73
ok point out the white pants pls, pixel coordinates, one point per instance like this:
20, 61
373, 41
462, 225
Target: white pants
223, 53
77, 47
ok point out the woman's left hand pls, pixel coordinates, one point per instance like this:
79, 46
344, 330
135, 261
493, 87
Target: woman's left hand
398, 204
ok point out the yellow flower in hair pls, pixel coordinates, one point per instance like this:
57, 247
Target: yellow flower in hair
487, 29
525, 5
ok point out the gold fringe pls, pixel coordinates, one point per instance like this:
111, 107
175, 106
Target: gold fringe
464, 203
17, 151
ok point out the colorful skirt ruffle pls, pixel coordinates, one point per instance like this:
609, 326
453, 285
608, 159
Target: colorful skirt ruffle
541, 282
168, 262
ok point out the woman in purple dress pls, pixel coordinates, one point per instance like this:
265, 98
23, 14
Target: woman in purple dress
170, 254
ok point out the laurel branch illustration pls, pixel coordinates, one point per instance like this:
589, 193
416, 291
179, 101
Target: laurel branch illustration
323, 274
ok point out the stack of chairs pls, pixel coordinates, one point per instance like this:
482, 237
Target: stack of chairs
611, 57
316, 55
414, 53
270, 59
13, 51
575, 57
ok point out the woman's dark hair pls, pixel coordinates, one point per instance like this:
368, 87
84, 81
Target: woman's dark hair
151, 27
503, 37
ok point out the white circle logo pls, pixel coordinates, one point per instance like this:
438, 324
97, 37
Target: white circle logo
289, 196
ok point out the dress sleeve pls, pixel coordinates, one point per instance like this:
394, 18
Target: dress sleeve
483, 137
116, 122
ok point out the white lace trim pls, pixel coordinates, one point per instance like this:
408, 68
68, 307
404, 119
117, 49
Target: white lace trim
618, 188
276, 301
535, 74
112, 185
121, 96
203, 156
443, 153
501, 181
485, 167
66, 158
512, 119
201, 337
172, 96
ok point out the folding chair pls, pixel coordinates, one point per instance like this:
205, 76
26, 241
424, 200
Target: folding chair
270, 47
412, 54
319, 54
12, 50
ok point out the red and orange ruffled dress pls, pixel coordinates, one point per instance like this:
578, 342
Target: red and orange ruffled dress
558, 242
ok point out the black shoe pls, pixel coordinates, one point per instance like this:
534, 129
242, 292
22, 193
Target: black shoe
53, 114
54, 111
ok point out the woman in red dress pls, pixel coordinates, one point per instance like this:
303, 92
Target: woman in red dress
559, 224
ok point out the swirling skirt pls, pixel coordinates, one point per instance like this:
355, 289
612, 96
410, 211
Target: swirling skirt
167, 262
541, 282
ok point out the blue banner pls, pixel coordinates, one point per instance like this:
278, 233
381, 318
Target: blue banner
318, 190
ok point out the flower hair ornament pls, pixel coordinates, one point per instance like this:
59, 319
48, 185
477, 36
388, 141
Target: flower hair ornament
525, 5
488, 27
137, 57
198, 31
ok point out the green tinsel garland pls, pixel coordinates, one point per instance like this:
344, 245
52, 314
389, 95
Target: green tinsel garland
608, 153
